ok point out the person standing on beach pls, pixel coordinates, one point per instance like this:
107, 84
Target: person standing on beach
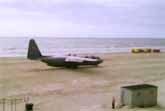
113, 102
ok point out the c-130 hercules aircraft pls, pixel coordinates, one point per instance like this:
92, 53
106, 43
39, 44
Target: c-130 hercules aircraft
62, 61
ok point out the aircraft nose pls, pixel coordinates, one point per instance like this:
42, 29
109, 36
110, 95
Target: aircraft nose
100, 61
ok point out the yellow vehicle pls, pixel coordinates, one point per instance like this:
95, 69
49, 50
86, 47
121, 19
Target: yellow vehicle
136, 50
145, 50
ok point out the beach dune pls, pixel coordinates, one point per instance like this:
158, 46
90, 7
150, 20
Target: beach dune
83, 89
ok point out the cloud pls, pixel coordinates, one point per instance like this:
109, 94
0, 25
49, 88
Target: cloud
124, 18
16, 22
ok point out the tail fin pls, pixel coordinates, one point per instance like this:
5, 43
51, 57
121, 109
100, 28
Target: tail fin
33, 50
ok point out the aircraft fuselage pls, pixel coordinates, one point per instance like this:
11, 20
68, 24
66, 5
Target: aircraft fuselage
62, 62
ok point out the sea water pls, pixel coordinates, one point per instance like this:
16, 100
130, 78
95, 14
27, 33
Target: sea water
18, 46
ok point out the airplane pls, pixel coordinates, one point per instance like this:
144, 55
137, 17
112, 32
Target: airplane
67, 61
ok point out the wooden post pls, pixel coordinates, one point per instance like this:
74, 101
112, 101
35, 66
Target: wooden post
3, 104
11, 105
15, 104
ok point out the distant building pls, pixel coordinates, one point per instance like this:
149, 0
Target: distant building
142, 95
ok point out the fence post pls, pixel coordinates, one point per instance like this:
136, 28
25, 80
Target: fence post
3, 104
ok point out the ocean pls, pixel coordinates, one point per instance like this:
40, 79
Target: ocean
13, 47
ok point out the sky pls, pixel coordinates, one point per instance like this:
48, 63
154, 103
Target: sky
82, 18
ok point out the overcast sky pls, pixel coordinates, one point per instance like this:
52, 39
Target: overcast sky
82, 18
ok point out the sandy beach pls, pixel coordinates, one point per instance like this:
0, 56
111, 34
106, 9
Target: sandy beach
83, 89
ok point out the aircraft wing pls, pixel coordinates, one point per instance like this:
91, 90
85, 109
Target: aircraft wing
78, 59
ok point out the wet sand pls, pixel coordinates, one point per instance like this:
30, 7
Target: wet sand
83, 89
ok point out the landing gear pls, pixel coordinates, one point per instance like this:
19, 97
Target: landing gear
71, 66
